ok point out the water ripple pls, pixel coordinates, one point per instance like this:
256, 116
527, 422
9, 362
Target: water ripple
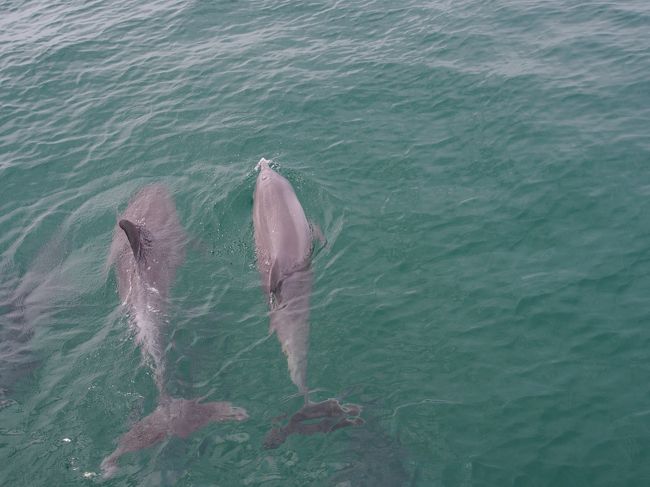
479, 170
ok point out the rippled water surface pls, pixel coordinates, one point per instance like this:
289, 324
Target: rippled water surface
479, 168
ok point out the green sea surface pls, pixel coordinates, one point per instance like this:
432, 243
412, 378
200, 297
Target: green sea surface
480, 169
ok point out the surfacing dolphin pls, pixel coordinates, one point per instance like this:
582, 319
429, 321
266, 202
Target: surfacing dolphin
284, 245
148, 246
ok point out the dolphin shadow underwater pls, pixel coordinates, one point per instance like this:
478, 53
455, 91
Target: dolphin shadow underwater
284, 248
148, 246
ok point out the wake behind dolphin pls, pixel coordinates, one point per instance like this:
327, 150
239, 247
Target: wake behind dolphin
148, 246
284, 244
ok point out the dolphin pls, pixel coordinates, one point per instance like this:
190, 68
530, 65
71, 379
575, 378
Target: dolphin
284, 246
148, 246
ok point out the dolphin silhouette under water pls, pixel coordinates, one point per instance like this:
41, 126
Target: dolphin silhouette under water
148, 246
284, 244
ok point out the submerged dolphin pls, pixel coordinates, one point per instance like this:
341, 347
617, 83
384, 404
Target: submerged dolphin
284, 244
148, 245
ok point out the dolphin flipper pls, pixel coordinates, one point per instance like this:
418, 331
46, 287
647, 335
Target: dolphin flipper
173, 417
317, 234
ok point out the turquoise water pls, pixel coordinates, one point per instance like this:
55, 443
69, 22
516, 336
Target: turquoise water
480, 169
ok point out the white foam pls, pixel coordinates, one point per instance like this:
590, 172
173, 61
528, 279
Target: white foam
262, 161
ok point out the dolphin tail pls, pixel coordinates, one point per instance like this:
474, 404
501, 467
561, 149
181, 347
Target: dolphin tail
333, 415
173, 417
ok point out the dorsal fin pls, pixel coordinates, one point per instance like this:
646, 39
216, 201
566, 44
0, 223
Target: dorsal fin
133, 233
275, 277
275, 282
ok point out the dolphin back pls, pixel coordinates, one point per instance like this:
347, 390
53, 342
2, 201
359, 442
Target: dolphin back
149, 229
283, 236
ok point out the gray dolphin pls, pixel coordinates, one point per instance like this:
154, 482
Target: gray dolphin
148, 246
284, 244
